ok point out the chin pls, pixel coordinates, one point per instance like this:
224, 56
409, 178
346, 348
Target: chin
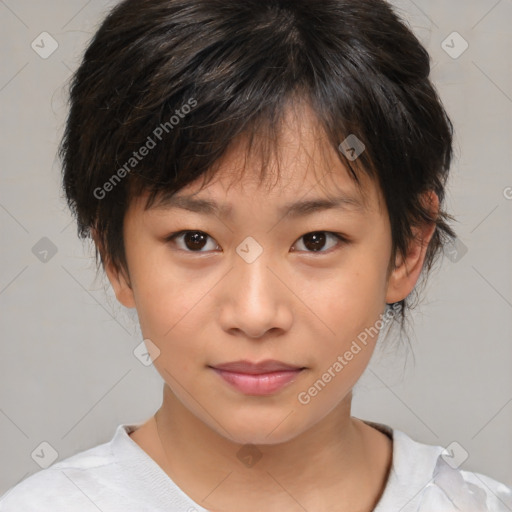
262, 431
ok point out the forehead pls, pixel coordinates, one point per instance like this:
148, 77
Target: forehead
296, 172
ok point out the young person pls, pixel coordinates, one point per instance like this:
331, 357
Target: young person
264, 182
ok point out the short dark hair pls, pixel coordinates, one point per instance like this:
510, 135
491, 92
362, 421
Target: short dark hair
193, 75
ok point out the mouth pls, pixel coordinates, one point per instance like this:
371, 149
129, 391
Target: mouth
264, 378
250, 368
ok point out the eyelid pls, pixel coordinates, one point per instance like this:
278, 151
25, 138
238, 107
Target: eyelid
342, 240
171, 237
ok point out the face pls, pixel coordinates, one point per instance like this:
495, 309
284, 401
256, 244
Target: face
263, 279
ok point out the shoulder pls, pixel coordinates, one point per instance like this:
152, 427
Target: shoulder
67, 485
447, 488
452, 489
426, 477
498, 495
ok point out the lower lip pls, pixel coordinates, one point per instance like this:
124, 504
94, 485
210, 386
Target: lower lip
262, 384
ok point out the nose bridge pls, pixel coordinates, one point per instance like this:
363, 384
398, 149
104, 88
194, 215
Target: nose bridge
255, 299
253, 280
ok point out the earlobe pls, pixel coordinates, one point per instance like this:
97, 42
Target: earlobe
119, 281
408, 268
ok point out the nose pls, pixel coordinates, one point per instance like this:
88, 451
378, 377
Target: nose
255, 300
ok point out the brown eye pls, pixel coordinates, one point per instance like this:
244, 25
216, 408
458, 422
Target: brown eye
196, 241
191, 241
316, 241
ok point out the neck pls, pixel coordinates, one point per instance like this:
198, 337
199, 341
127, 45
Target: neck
328, 463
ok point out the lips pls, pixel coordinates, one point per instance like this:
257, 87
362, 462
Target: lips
263, 378
250, 368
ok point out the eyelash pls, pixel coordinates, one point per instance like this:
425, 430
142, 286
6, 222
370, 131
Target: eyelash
341, 238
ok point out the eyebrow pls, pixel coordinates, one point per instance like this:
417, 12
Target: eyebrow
294, 209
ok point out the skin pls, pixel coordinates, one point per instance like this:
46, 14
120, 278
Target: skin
291, 304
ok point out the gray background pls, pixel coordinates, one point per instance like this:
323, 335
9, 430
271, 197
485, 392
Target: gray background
68, 373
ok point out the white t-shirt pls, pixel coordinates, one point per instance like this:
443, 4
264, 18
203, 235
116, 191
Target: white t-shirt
119, 476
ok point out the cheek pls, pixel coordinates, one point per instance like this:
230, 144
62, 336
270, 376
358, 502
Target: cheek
350, 303
169, 307
166, 307
351, 296
350, 306
161, 292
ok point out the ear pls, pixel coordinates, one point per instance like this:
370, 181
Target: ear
407, 270
118, 279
